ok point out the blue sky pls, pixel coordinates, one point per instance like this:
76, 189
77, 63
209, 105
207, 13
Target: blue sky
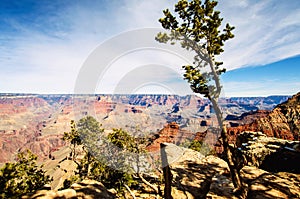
278, 78
44, 45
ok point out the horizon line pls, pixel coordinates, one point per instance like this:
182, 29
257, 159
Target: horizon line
136, 94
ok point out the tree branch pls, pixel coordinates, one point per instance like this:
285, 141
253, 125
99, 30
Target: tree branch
131, 193
148, 183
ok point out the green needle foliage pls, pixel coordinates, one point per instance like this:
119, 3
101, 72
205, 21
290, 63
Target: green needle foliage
196, 26
22, 177
123, 140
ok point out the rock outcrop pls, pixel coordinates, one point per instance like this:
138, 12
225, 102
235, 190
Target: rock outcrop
282, 122
269, 153
196, 176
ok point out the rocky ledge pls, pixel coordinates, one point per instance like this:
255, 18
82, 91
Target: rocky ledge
268, 153
197, 176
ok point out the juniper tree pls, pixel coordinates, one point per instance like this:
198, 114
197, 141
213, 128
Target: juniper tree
90, 132
74, 139
196, 26
98, 153
22, 177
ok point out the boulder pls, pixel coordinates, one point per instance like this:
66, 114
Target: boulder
194, 173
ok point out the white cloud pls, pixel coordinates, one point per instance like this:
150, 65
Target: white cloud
266, 31
140, 14
49, 60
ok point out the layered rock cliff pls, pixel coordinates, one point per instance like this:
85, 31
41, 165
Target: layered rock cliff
38, 121
282, 122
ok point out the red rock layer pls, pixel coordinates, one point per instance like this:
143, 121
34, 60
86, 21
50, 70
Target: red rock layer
171, 133
283, 122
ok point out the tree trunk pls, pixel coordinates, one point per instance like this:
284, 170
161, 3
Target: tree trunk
235, 175
166, 172
74, 152
88, 164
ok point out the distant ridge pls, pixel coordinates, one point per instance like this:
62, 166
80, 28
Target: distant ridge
137, 94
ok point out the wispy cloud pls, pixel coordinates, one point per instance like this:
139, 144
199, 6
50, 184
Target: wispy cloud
266, 31
47, 56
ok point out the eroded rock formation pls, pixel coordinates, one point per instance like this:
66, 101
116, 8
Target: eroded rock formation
269, 153
282, 122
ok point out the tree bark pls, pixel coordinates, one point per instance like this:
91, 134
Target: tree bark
166, 172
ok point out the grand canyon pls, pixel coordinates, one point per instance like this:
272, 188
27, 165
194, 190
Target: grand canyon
258, 126
37, 122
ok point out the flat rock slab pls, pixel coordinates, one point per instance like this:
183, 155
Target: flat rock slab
263, 184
